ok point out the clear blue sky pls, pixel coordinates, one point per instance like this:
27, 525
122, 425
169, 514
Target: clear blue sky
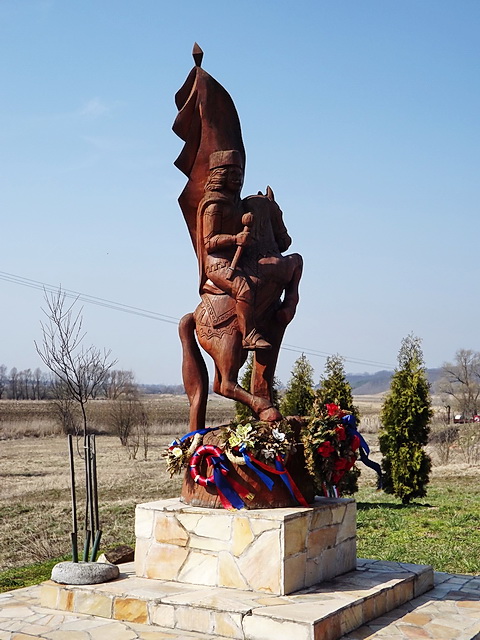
362, 115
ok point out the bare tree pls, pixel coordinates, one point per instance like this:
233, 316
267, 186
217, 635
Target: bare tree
3, 379
66, 409
117, 382
13, 383
129, 421
25, 377
460, 384
39, 383
82, 370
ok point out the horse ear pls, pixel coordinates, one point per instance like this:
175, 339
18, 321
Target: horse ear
270, 195
259, 193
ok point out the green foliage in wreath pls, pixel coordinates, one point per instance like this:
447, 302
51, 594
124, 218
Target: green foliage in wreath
259, 439
330, 451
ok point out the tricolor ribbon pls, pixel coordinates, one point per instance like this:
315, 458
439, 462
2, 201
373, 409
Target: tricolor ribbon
279, 470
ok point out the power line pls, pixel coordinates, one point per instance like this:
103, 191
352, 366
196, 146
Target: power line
153, 315
325, 354
101, 302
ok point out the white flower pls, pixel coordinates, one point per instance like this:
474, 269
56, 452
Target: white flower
278, 435
177, 452
268, 453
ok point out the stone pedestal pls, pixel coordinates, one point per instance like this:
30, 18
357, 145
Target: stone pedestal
275, 551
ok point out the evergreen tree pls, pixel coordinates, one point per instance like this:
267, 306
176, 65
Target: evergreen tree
275, 393
299, 396
334, 386
241, 410
405, 417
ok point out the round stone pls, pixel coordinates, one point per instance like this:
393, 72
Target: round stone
84, 572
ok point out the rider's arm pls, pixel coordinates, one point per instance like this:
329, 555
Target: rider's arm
212, 226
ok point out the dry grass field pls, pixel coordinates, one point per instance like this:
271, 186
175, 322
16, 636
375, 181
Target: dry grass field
35, 513
35, 519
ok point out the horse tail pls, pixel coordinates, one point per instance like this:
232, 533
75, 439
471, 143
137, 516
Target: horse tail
194, 373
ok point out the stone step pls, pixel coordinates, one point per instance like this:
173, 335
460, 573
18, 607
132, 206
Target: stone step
325, 611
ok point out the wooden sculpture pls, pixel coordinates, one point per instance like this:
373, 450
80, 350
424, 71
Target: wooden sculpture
248, 288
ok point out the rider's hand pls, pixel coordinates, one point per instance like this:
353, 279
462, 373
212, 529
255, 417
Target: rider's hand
242, 239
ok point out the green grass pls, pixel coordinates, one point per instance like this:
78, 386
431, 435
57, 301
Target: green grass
442, 530
27, 576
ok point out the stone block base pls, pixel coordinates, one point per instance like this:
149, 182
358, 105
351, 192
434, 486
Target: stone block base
276, 551
324, 612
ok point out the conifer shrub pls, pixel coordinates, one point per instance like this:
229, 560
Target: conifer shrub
242, 412
299, 395
335, 388
405, 418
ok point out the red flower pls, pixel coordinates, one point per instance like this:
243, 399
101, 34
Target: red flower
341, 433
332, 409
340, 464
341, 467
355, 443
326, 449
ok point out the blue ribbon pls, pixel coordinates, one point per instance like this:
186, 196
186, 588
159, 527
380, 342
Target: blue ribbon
219, 463
351, 426
373, 465
202, 432
350, 423
267, 481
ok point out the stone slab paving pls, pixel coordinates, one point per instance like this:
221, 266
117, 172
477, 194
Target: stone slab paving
23, 618
323, 612
450, 611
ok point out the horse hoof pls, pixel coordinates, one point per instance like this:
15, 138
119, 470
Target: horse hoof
270, 414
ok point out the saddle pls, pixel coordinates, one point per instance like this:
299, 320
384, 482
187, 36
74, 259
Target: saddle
220, 307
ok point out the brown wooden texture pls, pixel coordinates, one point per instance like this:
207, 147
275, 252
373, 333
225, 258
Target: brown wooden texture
248, 288
199, 496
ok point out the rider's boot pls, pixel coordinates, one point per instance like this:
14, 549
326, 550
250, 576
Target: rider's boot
252, 339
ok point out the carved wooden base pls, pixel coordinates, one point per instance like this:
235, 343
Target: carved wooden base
263, 498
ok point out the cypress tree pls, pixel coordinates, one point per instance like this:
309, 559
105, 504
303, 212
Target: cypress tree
334, 386
299, 396
405, 417
242, 411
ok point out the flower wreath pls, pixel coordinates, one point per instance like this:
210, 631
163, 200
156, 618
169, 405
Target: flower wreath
265, 450
259, 440
331, 443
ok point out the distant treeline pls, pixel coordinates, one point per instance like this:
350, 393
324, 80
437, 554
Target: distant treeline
35, 384
172, 389
28, 384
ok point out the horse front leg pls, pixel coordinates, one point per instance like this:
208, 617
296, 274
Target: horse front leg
227, 366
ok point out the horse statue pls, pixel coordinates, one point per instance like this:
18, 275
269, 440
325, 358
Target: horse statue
248, 288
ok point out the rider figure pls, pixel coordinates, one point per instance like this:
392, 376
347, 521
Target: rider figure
220, 231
